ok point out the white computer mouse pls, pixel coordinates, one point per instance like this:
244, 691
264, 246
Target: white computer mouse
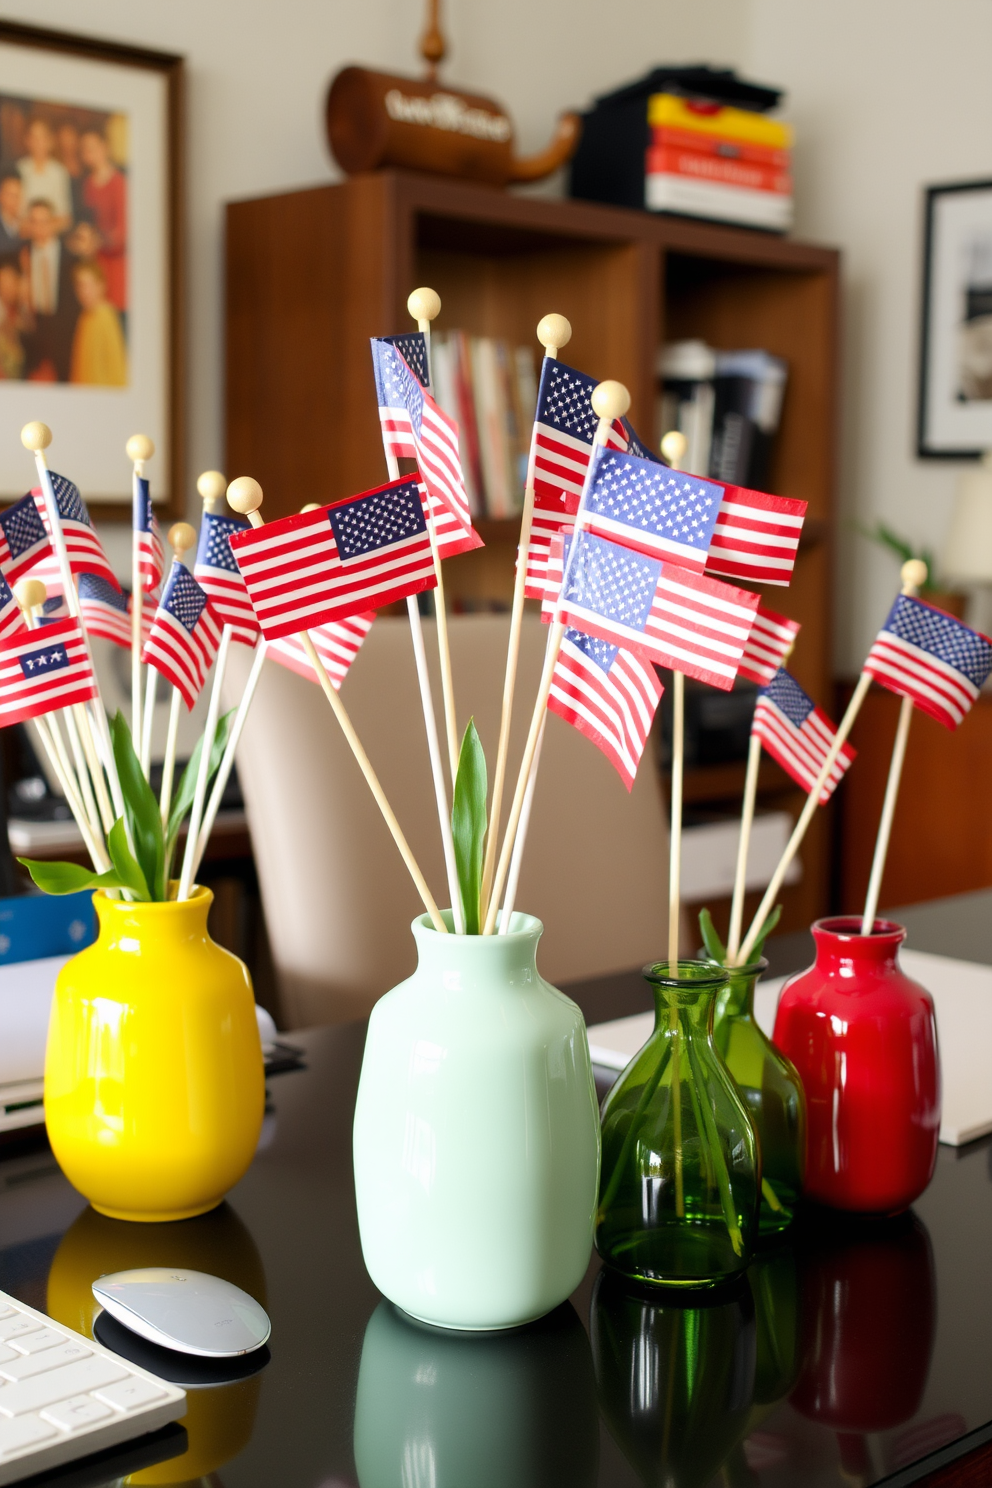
185, 1310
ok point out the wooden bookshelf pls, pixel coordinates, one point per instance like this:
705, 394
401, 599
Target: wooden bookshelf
312, 274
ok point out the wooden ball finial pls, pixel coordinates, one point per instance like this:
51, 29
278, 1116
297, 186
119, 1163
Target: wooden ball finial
673, 448
424, 304
139, 447
36, 436
182, 537
244, 495
310, 506
914, 574
211, 485
30, 593
610, 400
554, 332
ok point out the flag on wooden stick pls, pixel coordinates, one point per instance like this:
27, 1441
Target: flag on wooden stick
413, 425
798, 734
84, 548
772, 638
609, 694
105, 611
41, 672
337, 644
219, 577
150, 554
664, 513
184, 636
23, 538
665, 613
929, 656
756, 537
337, 561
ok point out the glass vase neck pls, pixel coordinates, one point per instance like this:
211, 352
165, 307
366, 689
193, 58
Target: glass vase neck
840, 944
684, 992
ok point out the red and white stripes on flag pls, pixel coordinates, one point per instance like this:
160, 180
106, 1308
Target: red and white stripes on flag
931, 657
797, 734
339, 560
756, 537
185, 635
337, 644
84, 548
772, 638
44, 670
609, 695
452, 534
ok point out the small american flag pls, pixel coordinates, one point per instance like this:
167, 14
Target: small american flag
929, 656
23, 538
184, 636
450, 532
337, 644
413, 425
151, 554
43, 671
337, 561
667, 614
644, 505
561, 444
609, 695
11, 619
756, 537
770, 641
105, 612
798, 734
219, 576
85, 549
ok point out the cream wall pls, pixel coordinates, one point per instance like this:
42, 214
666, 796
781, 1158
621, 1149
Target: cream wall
886, 95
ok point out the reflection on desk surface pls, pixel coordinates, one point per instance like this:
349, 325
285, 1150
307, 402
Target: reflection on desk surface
849, 1353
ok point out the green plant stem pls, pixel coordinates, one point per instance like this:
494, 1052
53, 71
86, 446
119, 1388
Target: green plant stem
646, 1096
771, 1197
673, 1023
722, 1175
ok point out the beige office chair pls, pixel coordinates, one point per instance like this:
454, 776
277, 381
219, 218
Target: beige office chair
338, 900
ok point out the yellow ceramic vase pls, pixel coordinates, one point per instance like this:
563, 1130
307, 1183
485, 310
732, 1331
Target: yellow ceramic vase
154, 1083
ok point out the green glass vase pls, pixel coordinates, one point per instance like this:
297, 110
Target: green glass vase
681, 1173
772, 1091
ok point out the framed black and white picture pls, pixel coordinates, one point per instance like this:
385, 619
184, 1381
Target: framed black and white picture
955, 409
90, 260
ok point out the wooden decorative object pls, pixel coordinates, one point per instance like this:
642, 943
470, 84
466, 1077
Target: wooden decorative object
377, 119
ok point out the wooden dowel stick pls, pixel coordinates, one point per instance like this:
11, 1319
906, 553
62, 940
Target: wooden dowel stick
747, 821
245, 495
82, 772
169, 758
108, 812
914, 576
37, 437
94, 847
148, 720
806, 816
553, 332
437, 772
230, 749
675, 811
520, 842
888, 813
203, 771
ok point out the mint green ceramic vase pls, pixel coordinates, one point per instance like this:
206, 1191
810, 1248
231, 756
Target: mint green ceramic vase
476, 1138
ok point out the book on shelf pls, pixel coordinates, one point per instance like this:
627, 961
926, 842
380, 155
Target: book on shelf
728, 404
490, 388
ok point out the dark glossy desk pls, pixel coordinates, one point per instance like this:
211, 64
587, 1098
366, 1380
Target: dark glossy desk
858, 1353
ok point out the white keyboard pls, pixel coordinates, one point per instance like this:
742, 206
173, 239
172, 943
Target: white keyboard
63, 1396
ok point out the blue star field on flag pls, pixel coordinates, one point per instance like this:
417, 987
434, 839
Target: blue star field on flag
600, 652
413, 349
70, 503
377, 521
613, 582
665, 513
931, 657
45, 659
183, 597
784, 691
24, 535
947, 639
214, 549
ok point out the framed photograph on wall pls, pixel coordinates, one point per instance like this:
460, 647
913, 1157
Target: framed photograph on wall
955, 409
90, 262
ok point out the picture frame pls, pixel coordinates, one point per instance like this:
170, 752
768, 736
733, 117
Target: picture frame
91, 262
954, 417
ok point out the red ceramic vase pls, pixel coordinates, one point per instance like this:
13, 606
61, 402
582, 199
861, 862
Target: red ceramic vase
863, 1038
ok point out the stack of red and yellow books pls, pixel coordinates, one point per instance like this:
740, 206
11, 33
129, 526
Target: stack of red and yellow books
707, 160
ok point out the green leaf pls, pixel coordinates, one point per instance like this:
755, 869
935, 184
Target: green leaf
468, 824
142, 812
715, 948
128, 870
182, 798
766, 930
69, 878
